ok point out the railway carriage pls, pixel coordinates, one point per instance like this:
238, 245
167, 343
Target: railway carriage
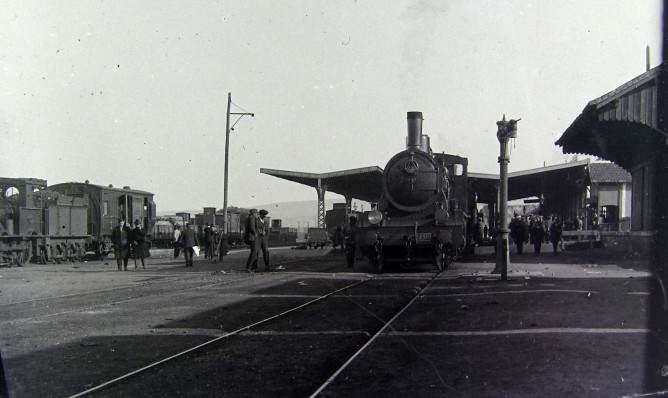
107, 205
65, 221
422, 215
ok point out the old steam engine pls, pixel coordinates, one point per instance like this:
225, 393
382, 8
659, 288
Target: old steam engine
421, 216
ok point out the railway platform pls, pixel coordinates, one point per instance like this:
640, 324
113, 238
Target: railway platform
586, 323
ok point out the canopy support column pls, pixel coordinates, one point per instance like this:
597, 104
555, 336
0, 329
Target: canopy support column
321, 189
349, 203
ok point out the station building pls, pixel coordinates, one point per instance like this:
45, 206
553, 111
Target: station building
627, 127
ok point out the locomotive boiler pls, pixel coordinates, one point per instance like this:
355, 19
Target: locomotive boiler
421, 216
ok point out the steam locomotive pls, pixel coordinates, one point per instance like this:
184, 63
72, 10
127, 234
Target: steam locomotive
423, 213
63, 222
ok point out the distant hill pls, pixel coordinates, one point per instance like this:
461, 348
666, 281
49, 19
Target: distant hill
293, 214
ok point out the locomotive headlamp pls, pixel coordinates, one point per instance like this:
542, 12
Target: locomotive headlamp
375, 217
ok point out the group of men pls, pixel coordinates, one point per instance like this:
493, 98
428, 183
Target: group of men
535, 230
255, 236
129, 242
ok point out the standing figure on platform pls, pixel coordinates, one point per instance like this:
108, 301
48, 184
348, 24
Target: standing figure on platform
349, 239
221, 244
262, 240
208, 241
519, 233
555, 234
141, 245
120, 239
537, 236
250, 238
337, 239
189, 240
177, 243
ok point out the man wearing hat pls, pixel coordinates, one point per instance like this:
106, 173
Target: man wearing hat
189, 241
120, 239
349, 234
263, 242
250, 238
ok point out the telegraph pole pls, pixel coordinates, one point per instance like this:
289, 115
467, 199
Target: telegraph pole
505, 131
227, 167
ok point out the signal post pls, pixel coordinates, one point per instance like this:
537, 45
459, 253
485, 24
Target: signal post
505, 131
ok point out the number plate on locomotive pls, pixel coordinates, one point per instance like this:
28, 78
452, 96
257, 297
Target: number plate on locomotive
424, 236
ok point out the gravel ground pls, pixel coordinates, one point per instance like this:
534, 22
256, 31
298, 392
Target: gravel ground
68, 327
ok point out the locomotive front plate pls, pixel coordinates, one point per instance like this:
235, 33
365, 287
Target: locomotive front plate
424, 236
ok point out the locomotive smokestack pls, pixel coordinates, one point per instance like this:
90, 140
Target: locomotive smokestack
414, 138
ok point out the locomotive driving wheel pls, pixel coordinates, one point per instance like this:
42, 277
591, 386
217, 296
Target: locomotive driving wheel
20, 257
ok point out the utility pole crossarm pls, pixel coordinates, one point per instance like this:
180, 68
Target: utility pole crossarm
226, 172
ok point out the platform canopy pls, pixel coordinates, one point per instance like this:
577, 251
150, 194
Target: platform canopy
622, 126
546, 181
366, 183
362, 183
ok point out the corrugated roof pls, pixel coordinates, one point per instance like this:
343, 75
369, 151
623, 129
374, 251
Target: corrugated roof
608, 173
624, 125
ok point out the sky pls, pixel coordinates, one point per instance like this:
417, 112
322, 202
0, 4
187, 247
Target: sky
134, 93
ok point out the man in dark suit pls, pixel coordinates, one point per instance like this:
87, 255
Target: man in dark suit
263, 243
120, 239
250, 238
208, 240
350, 236
189, 238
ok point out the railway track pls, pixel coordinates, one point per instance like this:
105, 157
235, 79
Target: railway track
75, 313
358, 333
316, 330
209, 343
